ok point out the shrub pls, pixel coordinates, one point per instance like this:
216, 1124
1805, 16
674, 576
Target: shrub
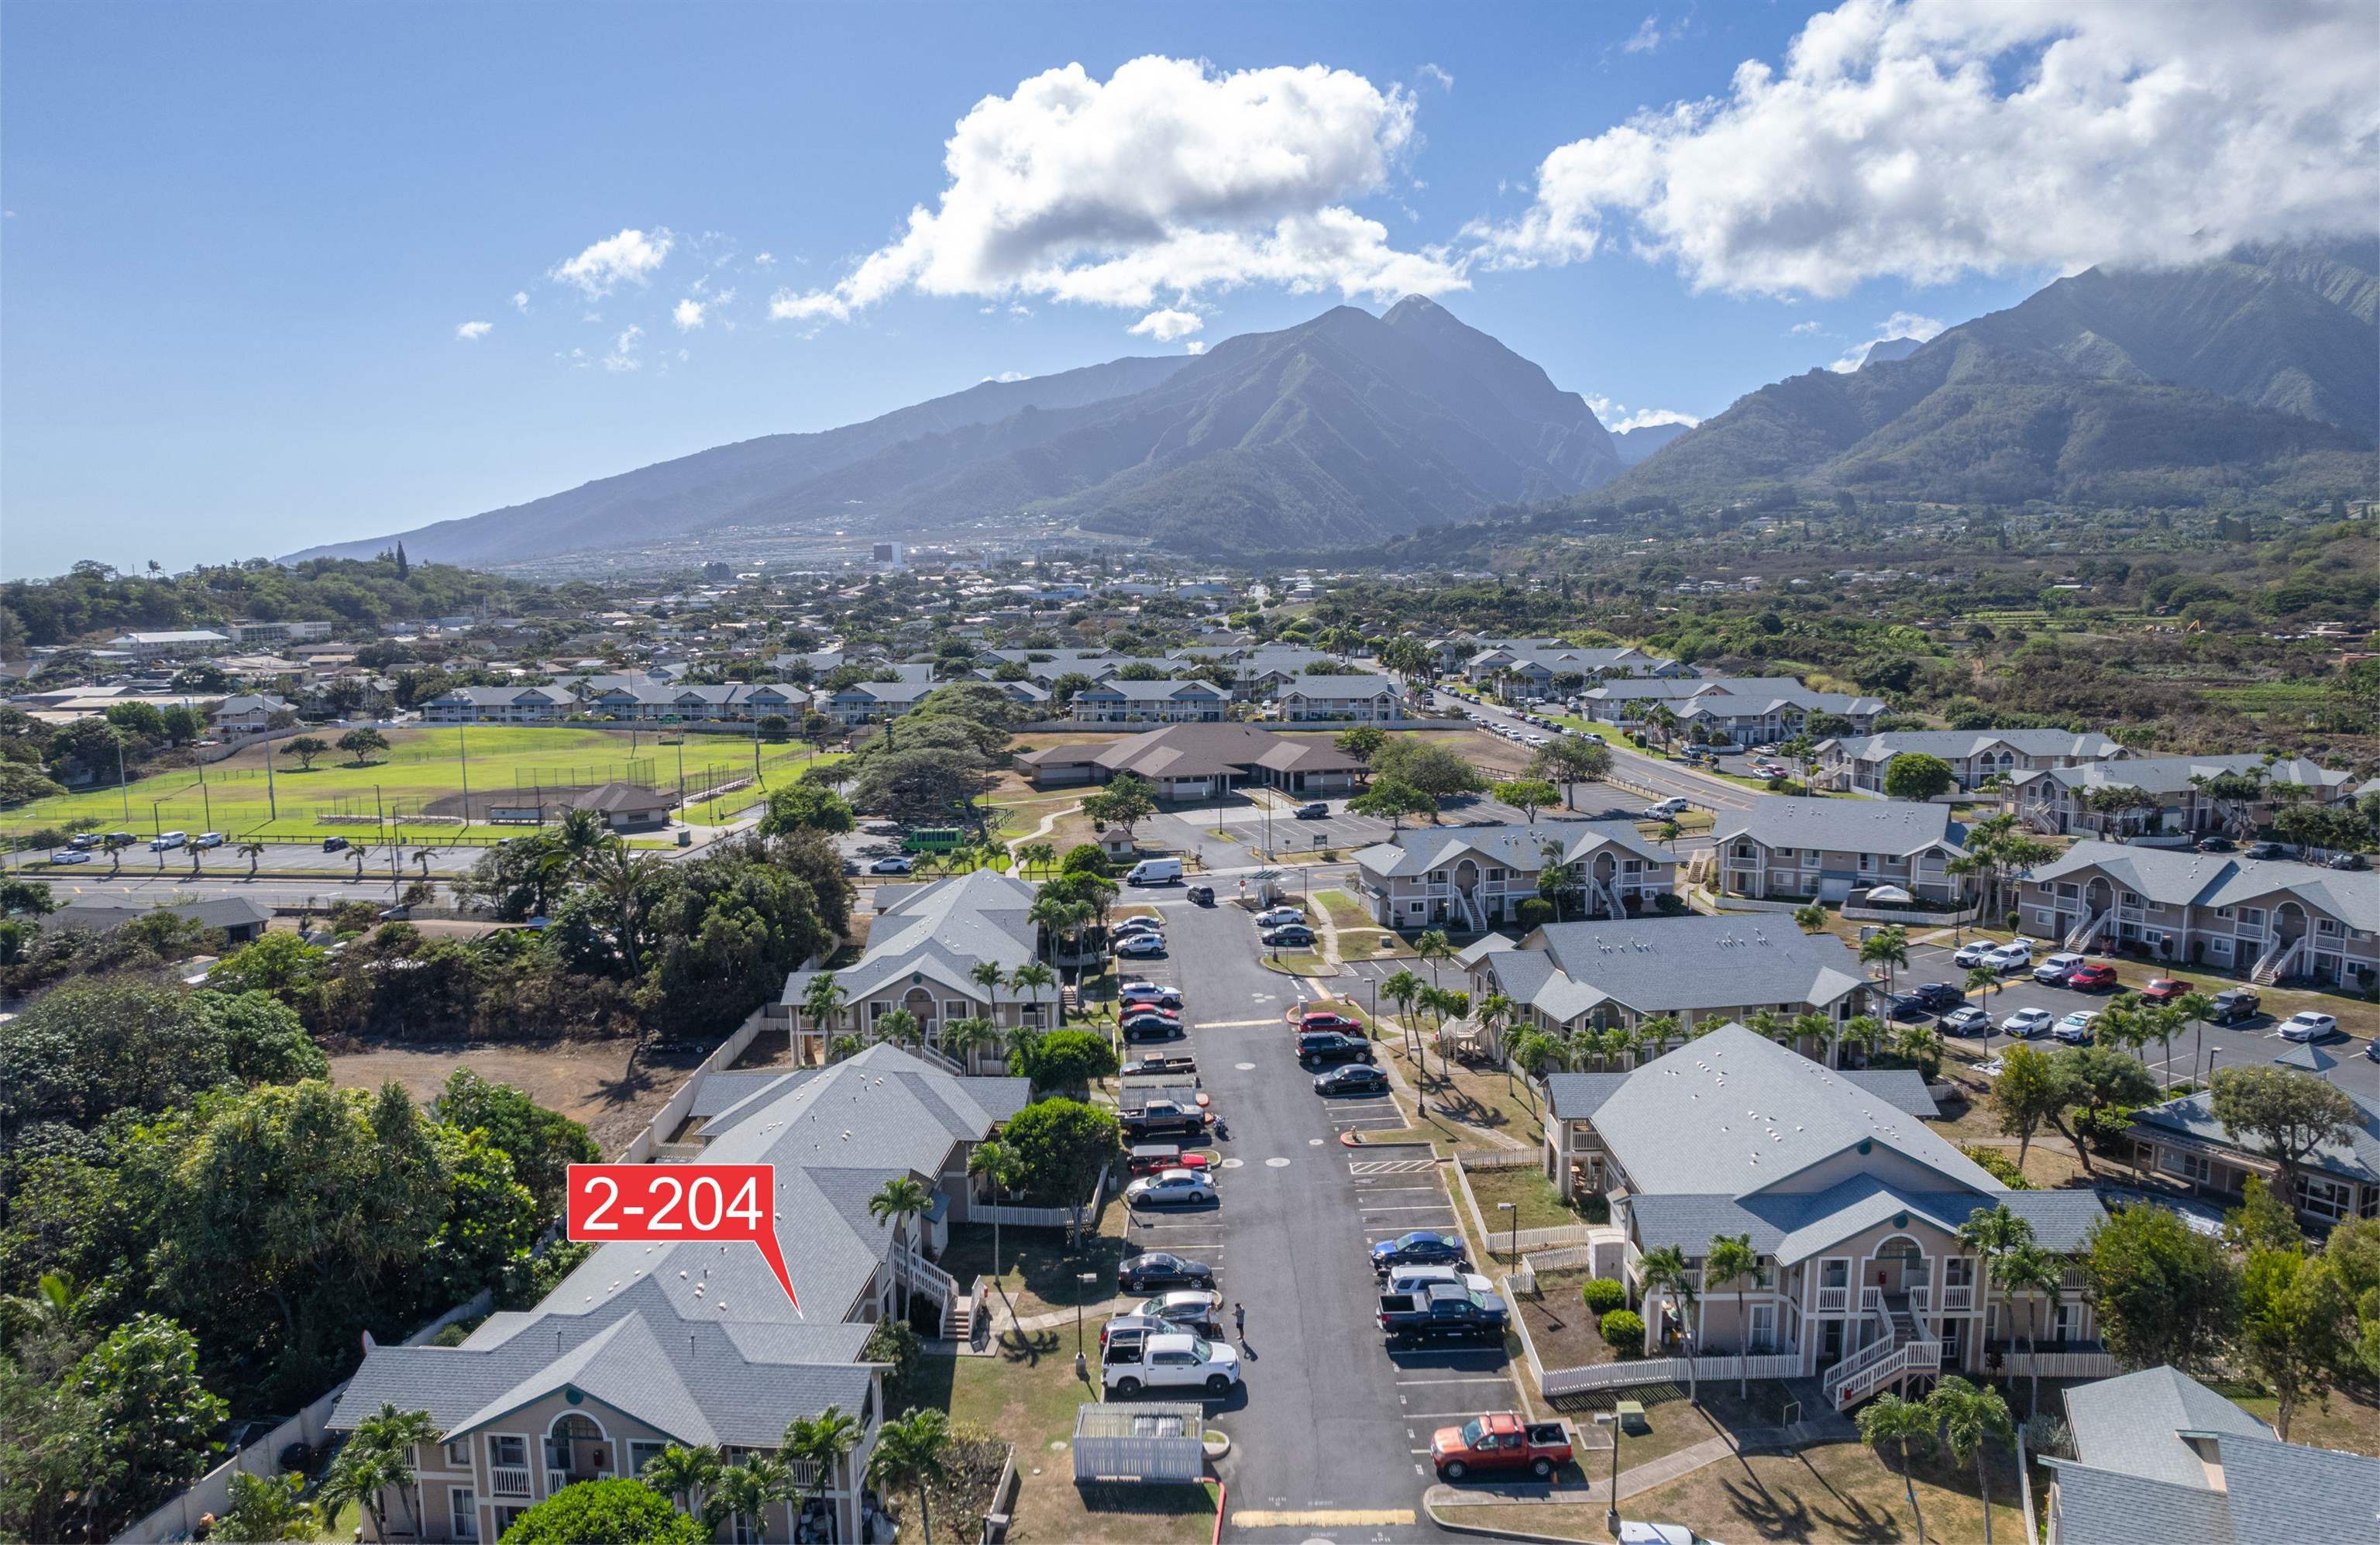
1624, 1329
1595, 1206
1535, 912
617, 1512
1602, 1296
898, 1347
2000, 1166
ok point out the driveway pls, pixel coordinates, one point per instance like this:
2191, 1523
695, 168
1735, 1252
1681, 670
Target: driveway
1324, 1442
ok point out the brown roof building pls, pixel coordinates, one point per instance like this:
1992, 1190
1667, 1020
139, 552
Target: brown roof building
1198, 761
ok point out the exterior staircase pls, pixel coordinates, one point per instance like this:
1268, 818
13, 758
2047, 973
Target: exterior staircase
2083, 933
2277, 961
1607, 895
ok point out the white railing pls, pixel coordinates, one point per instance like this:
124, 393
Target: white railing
508, 1480
1909, 1356
1871, 1300
1514, 1159
1858, 1363
555, 1480
2090, 929
1834, 1300
1921, 1300
2061, 1365
1019, 1217
924, 1273
1958, 1297
1558, 1381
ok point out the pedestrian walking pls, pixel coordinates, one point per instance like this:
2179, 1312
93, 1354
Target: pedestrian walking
1239, 1321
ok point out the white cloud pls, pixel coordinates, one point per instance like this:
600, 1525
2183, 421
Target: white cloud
630, 257
1620, 418
521, 302
622, 355
1195, 345
1432, 75
472, 332
1166, 326
1927, 139
764, 259
1647, 36
1900, 325
1170, 177
1806, 328
687, 314
1007, 376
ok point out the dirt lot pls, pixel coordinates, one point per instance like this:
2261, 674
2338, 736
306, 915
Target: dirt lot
587, 1081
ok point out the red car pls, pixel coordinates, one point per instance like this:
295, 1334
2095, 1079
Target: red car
2092, 978
2167, 990
1324, 1019
1501, 1441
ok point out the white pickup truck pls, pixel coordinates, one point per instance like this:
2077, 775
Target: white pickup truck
1136, 1360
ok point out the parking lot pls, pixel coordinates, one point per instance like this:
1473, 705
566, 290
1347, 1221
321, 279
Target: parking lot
2248, 1044
1331, 1435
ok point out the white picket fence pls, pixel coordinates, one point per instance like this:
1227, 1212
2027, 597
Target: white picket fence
1663, 1370
1503, 1242
1116, 1441
649, 1143
2060, 1365
1019, 1217
1503, 1159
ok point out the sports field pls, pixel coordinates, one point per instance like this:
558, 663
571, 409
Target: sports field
386, 796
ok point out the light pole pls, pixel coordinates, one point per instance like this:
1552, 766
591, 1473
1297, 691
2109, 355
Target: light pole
1507, 1207
1083, 1282
1611, 1510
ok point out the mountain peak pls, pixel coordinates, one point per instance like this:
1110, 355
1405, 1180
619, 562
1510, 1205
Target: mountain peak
1412, 307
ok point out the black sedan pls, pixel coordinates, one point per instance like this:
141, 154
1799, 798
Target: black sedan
1141, 1273
1421, 1248
1354, 1078
1292, 936
1938, 997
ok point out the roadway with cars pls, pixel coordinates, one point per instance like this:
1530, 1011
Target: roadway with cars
1331, 1433
1665, 779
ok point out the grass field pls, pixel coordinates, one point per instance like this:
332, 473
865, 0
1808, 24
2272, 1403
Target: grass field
235, 796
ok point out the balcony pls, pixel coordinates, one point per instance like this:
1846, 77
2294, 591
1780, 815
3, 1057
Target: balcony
508, 1480
1834, 1300
1957, 1298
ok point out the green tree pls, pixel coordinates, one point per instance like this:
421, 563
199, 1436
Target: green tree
683, 1474
744, 1491
1070, 1060
2294, 1320
1063, 1145
615, 1512
1734, 1261
1975, 1423
911, 1451
365, 1474
1665, 1272
2165, 1294
399, 1435
2283, 1114
898, 1203
1891, 1419
58, 1461
1436, 770
2097, 1089
2026, 1094
1000, 1168
360, 743
1570, 761
1361, 741
1811, 919
542, 1144
158, 1422
1915, 775
804, 807
1888, 947
825, 1440
1394, 798
2262, 1221
1527, 796
266, 1508
305, 747
2027, 1268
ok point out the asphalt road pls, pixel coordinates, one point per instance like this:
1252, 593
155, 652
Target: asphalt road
1326, 1434
2250, 1045
1663, 777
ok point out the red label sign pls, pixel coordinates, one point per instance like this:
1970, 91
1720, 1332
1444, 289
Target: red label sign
667, 1203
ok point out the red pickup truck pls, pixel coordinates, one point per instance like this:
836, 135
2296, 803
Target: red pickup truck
1499, 1442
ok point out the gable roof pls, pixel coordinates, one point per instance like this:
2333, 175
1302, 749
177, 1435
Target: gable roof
1674, 965
1956, 745
2358, 1158
942, 929
1201, 751
1339, 686
2130, 1423
1518, 848
2174, 774
1898, 827
2182, 877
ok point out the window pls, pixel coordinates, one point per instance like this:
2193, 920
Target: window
2325, 926
955, 1008
507, 1449
458, 1456
2194, 1167
642, 1453
463, 1507
877, 1011
2324, 1199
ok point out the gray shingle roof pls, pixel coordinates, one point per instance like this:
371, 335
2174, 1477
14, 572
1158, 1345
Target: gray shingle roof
1516, 847
1671, 965
2358, 1158
1796, 1226
1952, 745
1891, 826
2129, 1423
220, 912
1340, 686
2108, 1507
1734, 1114
2172, 774
1576, 1096
2181, 877
2292, 1491
941, 931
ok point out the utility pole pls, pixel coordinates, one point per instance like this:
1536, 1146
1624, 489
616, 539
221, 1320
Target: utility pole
272, 804
121, 791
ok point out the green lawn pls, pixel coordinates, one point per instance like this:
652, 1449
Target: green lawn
422, 765
778, 767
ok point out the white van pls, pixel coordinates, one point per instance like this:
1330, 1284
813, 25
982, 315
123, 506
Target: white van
1153, 872
164, 841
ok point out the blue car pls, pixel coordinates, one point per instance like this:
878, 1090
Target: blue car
1421, 1248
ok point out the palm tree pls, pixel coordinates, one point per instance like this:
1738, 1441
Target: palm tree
1811, 919
397, 1434
1768, 1024
1054, 917
1991, 1233
1017, 1044
746, 1491
901, 1028
1001, 1167
1030, 979
1657, 1032
1666, 1271
1891, 1419
1496, 1009
683, 1474
1662, 720
621, 878
1811, 1028
2041, 1276
1736, 1261
912, 1451
900, 1199
1404, 990
822, 1441
962, 1038
987, 975
1888, 947
1432, 948
823, 1000
251, 851
2196, 1008
50, 1310
1974, 1421
364, 1473
1864, 1031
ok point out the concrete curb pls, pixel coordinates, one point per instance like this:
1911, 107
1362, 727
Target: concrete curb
1488, 1532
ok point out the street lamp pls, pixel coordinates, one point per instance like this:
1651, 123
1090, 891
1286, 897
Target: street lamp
1611, 1512
1507, 1207
1083, 1282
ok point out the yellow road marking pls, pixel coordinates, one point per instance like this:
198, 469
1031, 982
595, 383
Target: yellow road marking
1235, 1024
1320, 1518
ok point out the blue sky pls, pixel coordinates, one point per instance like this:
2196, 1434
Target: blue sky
240, 241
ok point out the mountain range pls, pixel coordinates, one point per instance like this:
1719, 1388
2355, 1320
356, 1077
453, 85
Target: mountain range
2144, 387
1347, 430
